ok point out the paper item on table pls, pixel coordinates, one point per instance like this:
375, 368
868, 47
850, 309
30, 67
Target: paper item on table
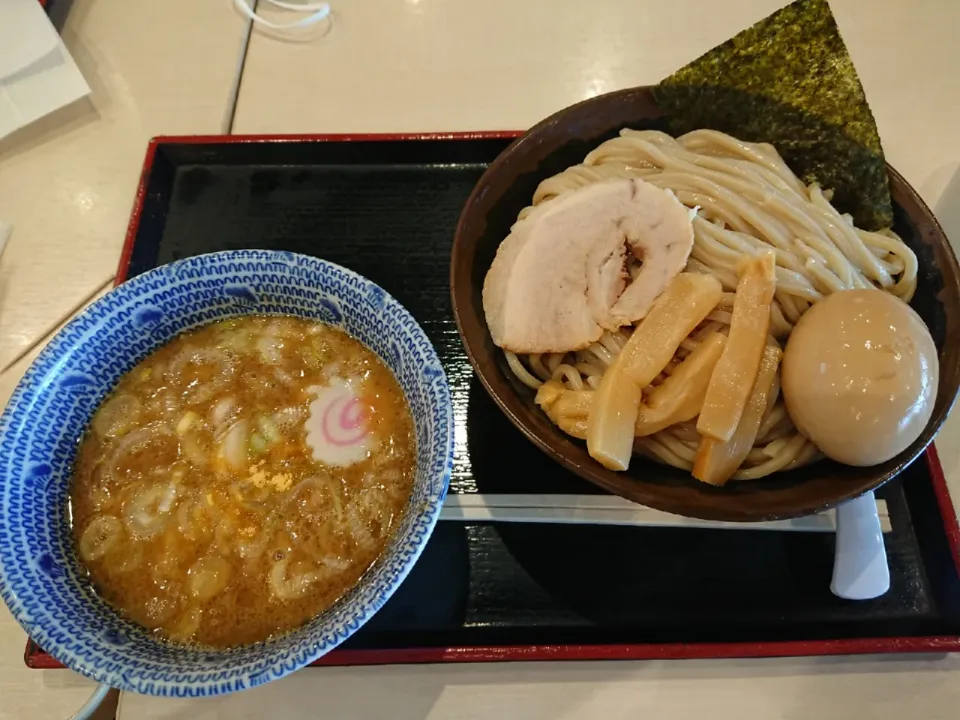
612, 510
37, 74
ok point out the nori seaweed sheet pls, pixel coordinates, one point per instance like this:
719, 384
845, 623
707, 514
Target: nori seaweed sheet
789, 81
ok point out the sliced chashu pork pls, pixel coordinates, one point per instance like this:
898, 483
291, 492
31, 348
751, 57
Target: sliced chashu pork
559, 279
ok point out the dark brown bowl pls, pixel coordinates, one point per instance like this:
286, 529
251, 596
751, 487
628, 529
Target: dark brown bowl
564, 139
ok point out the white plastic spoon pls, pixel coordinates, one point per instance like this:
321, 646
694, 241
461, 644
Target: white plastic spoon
860, 570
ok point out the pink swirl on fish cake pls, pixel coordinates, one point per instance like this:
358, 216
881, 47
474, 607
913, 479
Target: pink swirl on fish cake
349, 426
338, 428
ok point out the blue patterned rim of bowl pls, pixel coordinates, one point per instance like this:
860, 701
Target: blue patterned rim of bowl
41, 580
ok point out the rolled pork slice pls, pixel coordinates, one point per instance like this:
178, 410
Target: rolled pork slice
559, 279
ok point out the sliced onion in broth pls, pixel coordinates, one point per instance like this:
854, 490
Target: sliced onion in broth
289, 419
101, 536
167, 566
147, 511
326, 544
186, 625
221, 412
270, 348
233, 445
249, 496
252, 549
117, 416
164, 405
245, 533
358, 529
201, 391
290, 583
197, 444
195, 518
208, 577
284, 377
152, 446
317, 497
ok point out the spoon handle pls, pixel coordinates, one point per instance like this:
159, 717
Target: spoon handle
860, 570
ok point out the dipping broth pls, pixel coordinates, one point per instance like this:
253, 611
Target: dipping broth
241, 478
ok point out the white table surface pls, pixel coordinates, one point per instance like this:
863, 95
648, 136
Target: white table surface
418, 65
67, 182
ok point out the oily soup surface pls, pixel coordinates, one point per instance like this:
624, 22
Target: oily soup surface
241, 478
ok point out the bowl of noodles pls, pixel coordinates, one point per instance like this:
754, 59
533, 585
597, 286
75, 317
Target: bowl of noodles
724, 238
219, 471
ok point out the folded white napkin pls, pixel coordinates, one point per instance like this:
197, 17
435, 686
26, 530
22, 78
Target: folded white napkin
37, 74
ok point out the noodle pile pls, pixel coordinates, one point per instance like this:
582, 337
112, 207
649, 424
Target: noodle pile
747, 201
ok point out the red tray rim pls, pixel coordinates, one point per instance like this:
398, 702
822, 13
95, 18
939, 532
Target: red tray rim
35, 657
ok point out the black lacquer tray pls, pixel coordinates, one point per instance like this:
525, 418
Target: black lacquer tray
386, 207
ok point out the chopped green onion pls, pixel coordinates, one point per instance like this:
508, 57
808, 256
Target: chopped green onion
269, 429
258, 446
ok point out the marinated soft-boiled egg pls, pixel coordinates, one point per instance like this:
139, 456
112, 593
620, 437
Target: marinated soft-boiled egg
859, 376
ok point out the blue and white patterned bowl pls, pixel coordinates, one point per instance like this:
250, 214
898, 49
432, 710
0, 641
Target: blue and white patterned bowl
41, 580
